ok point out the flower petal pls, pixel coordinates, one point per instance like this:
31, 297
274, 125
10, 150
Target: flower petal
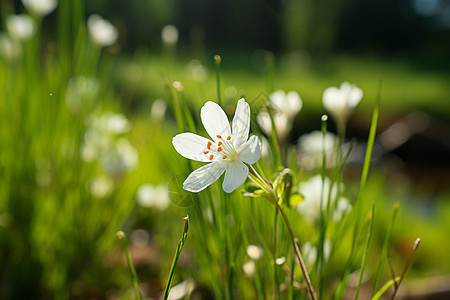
203, 177
250, 152
241, 123
215, 120
191, 146
235, 176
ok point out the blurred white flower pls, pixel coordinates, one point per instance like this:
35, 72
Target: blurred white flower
284, 109
288, 104
156, 196
20, 27
102, 32
115, 123
9, 48
340, 102
169, 34
40, 8
158, 110
101, 187
197, 71
254, 252
311, 191
181, 290
121, 158
100, 140
282, 124
311, 147
310, 252
249, 268
79, 90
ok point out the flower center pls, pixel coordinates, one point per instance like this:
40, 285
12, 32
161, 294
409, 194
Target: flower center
222, 150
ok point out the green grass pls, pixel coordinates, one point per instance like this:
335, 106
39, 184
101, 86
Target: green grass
57, 238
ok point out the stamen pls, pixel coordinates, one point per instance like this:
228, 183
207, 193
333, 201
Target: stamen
211, 157
209, 145
229, 138
219, 149
223, 157
206, 152
219, 144
219, 137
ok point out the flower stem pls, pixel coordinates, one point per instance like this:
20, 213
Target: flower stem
272, 198
311, 292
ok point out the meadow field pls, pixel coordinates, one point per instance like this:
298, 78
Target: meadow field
336, 167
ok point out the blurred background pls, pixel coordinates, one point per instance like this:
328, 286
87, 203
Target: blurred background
67, 186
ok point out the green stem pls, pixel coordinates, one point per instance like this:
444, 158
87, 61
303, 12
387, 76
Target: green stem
366, 251
176, 256
121, 236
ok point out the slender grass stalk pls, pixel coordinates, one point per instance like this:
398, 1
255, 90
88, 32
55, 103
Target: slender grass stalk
384, 288
275, 255
366, 251
176, 106
122, 237
408, 263
274, 138
385, 248
272, 198
311, 292
359, 203
176, 256
323, 214
218, 60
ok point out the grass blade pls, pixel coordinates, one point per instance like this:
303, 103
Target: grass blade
366, 250
121, 236
385, 247
176, 256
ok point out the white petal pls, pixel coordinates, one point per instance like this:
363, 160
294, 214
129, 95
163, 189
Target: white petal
203, 177
332, 99
264, 122
354, 96
294, 103
235, 176
277, 100
251, 150
241, 123
215, 120
191, 146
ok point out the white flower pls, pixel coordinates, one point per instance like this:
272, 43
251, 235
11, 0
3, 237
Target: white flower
311, 191
40, 7
341, 102
310, 252
249, 268
285, 107
120, 159
288, 104
101, 187
149, 195
158, 110
9, 48
169, 34
197, 71
102, 32
80, 89
228, 151
311, 147
254, 252
20, 27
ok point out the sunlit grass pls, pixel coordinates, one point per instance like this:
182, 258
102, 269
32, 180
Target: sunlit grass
61, 202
